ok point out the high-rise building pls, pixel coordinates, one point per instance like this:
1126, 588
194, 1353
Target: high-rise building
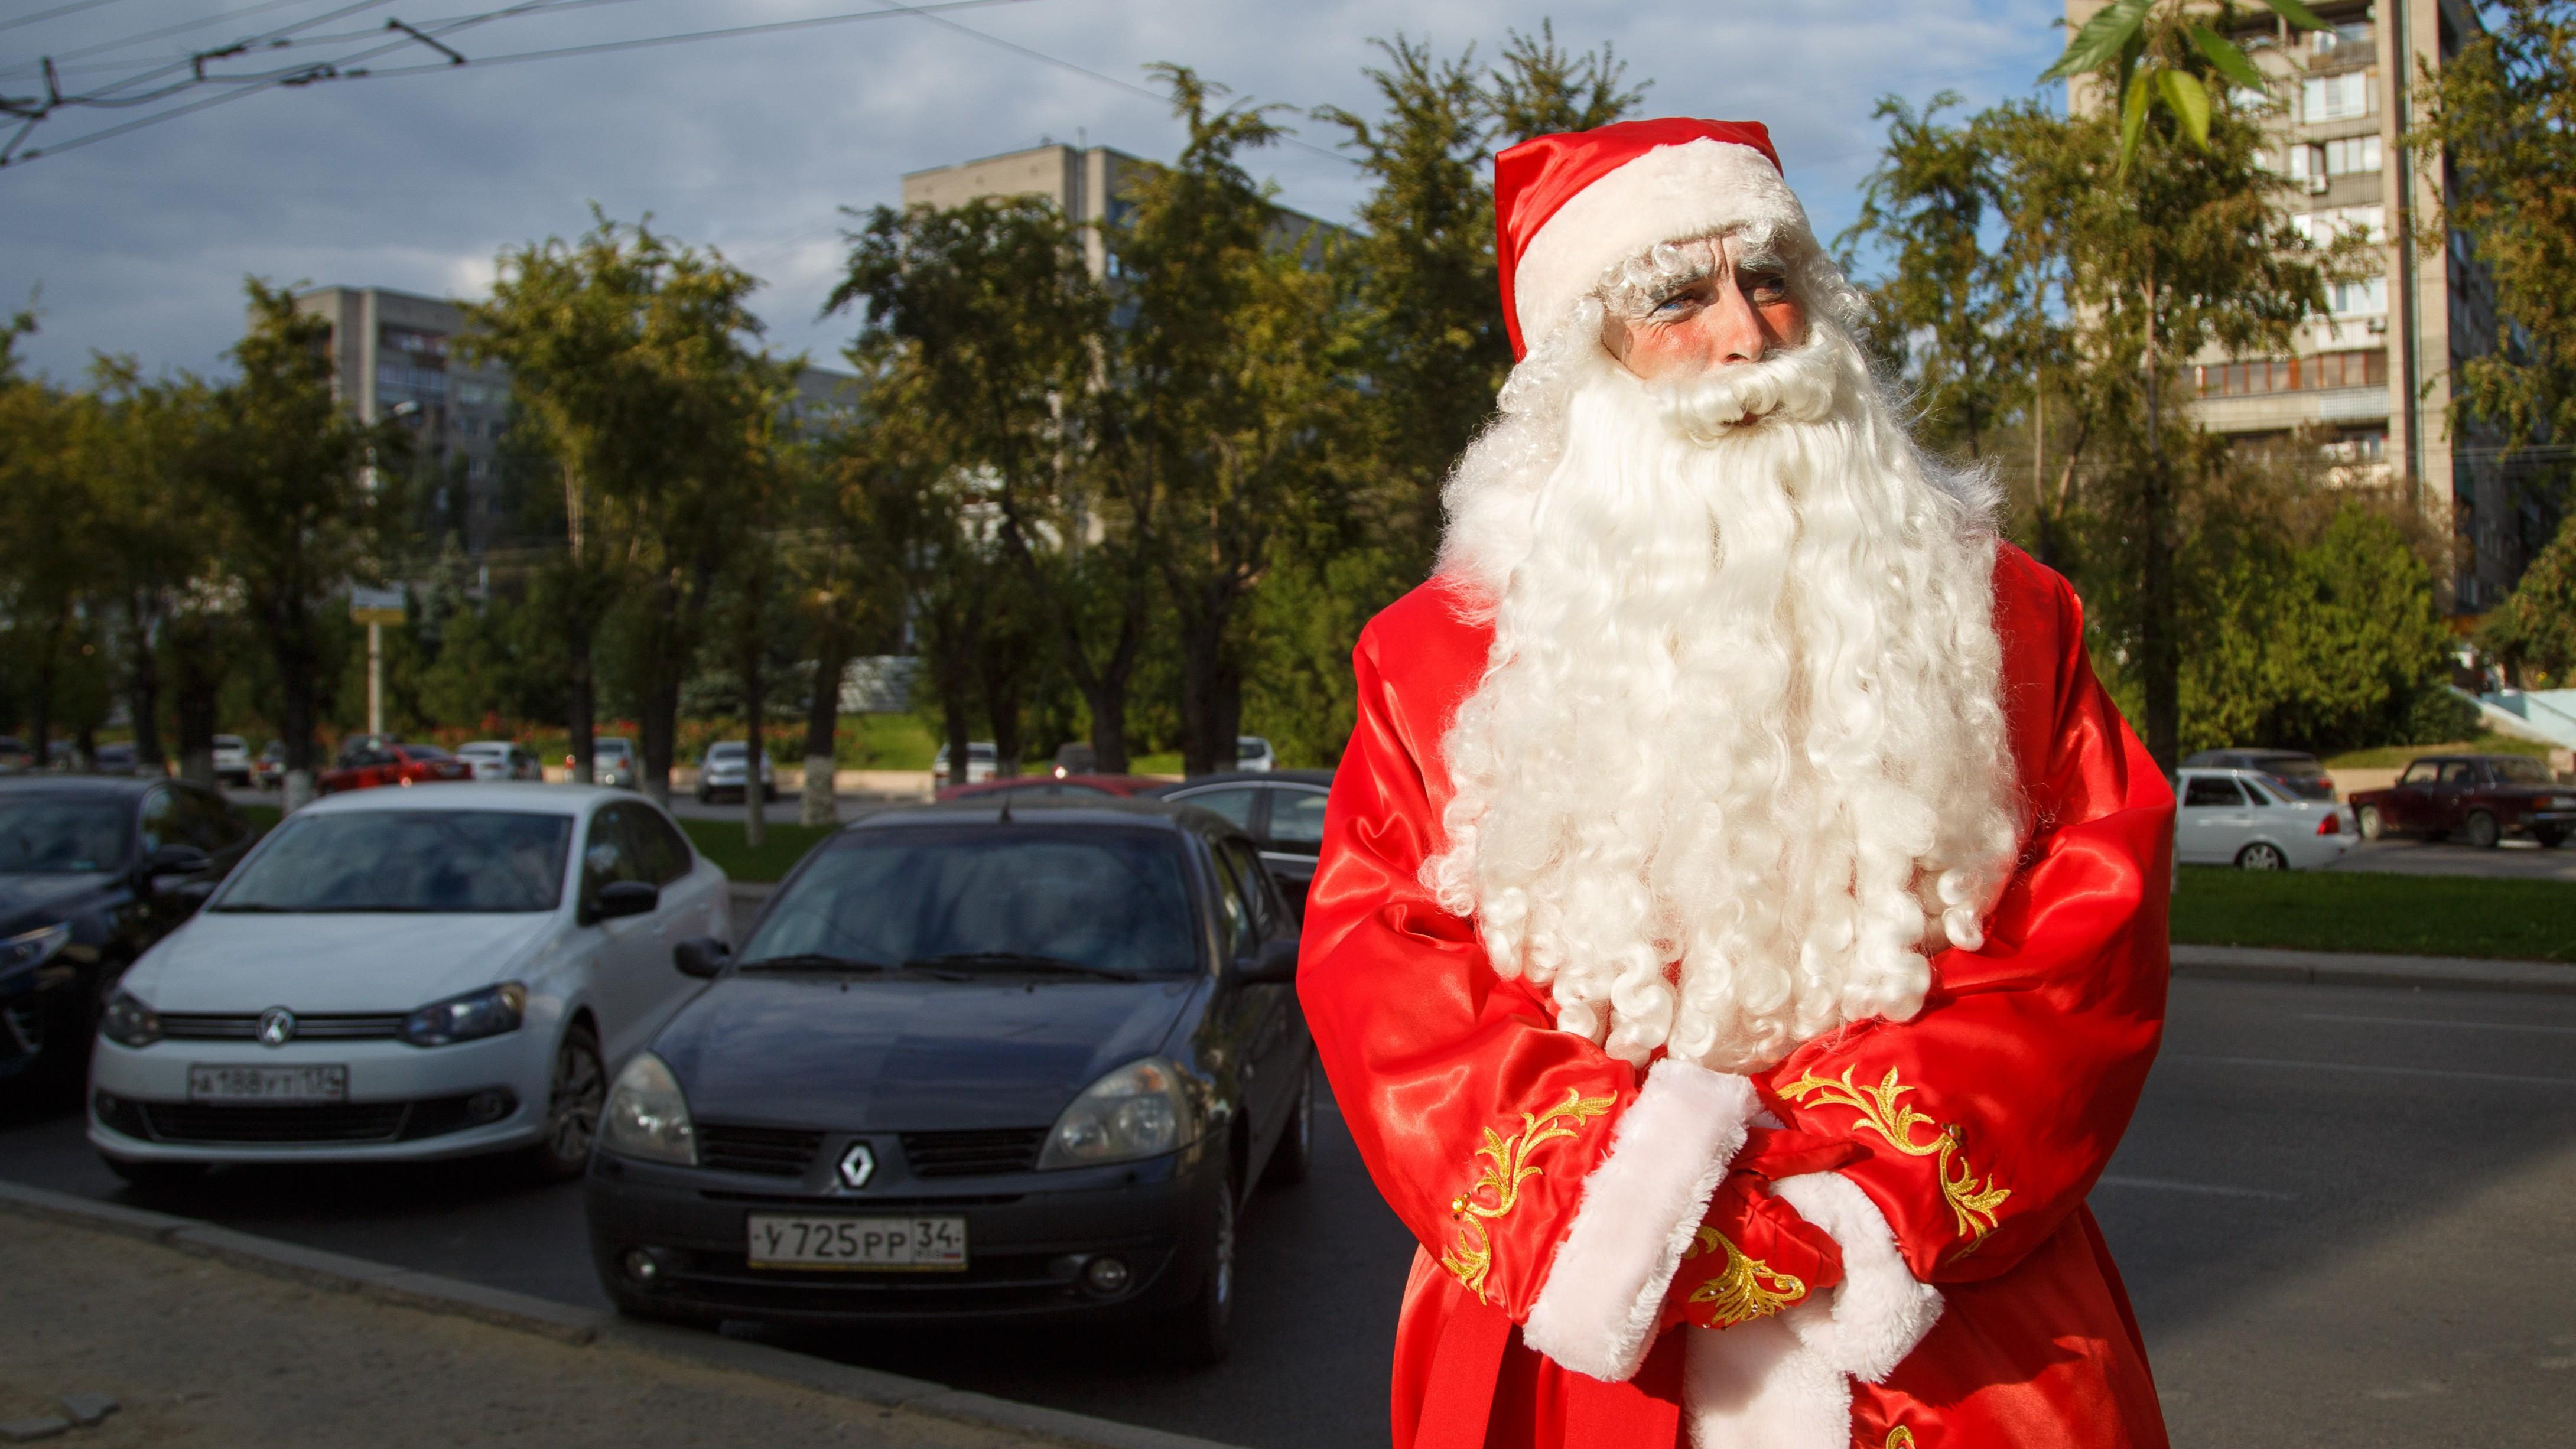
2373, 380
393, 357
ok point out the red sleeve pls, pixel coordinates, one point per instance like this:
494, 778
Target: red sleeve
1980, 1124
1489, 1132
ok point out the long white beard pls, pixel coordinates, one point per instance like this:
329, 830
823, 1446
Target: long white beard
1737, 763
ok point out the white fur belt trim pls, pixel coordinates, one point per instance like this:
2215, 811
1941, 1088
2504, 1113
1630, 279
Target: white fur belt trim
1641, 1206
1785, 1382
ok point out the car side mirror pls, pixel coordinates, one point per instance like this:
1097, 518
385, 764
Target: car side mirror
175, 859
625, 898
1274, 964
701, 956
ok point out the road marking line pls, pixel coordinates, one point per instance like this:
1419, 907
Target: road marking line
2512, 1077
2211, 1189
2436, 1021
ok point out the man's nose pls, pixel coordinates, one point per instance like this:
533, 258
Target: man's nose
1735, 331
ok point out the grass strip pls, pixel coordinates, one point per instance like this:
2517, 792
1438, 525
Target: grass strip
721, 842
2403, 915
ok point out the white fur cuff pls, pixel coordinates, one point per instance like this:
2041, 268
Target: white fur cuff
1785, 1383
1641, 1207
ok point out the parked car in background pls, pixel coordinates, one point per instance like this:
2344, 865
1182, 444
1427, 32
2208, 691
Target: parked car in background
115, 758
1282, 810
612, 762
62, 756
92, 872
15, 757
2480, 798
971, 1066
983, 761
268, 768
1055, 787
367, 764
402, 975
2302, 775
725, 770
501, 760
2243, 818
1253, 755
232, 761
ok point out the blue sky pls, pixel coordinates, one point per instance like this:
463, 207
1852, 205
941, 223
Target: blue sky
139, 242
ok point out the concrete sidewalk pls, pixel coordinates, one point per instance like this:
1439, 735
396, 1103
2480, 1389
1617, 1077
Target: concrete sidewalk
206, 1336
2342, 968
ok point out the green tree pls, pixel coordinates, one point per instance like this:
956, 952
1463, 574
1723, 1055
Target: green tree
2532, 635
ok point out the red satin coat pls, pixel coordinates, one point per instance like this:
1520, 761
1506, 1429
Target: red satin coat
1976, 1129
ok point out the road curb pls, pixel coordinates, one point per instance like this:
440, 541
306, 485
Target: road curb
2334, 968
501, 1308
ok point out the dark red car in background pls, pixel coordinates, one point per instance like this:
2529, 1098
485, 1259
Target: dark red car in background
2480, 798
367, 762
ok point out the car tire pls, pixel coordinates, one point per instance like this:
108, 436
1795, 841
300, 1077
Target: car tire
2480, 830
1294, 1157
2370, 822
2262, 855
155, 1179
576, 1092
2548, 836
1202, 1330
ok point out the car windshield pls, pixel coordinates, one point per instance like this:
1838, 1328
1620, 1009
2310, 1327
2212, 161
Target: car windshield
988, 898
603, 749
724, 752
406, 860
2517, 770
60, 835
230, 742
425, 752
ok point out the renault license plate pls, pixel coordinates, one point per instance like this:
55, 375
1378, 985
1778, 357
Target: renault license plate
268, 1084
909, 1245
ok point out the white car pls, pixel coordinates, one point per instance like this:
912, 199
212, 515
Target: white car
722, 771
1252, 752
501, 760
2241, 818
406, 974
983, 760
232, 761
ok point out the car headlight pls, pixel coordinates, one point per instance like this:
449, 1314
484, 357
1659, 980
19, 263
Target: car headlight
30, 949
1143, 1109
488, 1012
128, 1022
647, 1116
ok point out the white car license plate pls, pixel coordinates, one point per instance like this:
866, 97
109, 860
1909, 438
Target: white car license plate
268, 1084
917, 1245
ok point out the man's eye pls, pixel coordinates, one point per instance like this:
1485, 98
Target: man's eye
1767, 286
1675, 305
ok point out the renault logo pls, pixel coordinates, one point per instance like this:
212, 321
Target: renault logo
858, 1165
276, 1026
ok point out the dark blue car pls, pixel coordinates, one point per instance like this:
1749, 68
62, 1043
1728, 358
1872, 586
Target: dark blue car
974, 1062
92, 872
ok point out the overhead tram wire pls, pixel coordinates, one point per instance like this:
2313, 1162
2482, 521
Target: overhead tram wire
72, 9
200, 23
438, 26
342, 69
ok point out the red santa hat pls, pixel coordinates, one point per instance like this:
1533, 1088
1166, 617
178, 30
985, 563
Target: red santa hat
1568, 207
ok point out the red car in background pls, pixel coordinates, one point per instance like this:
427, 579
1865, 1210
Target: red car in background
1047, 787
367, 762
2480, 798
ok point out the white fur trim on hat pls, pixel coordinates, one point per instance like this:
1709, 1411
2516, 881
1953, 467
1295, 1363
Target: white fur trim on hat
1641, 1207
1785, 1382
1671, 193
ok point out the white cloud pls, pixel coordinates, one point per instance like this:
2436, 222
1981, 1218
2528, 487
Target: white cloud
140, 243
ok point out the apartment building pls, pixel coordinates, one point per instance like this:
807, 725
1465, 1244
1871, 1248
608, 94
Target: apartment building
1087, 183
2373, 378
393, 356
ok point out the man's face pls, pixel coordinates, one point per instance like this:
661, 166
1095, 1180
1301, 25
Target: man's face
1741, 311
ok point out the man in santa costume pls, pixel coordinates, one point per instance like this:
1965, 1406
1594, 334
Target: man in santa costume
1740, 935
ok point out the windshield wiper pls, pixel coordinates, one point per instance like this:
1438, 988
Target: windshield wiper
1023, 961
812, 961
258, 908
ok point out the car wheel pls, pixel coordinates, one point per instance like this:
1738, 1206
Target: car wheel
2371, 823
155, 1178
1203, 1330
2549, 837
706, 797
573, 1104
1294, 1157
2482, 831
2261, 855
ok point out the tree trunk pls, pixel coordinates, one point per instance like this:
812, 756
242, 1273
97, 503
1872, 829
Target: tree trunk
2161, 664
196, 686
143, 688
1106, 698
291, 644
822, 724
1207, 719
755, 698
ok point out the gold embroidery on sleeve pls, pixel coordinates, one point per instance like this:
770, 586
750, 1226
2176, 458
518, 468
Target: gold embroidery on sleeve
1746, 1288
1972, 1202
1497, 1190
1899, 1437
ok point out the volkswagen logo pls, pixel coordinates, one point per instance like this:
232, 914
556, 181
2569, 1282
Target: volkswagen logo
276, 1026
857, 1166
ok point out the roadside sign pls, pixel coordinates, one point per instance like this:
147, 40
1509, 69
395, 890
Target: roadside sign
375, 606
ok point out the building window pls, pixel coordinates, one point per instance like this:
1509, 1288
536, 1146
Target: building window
2358, 368
2338, 97
2325, 226
411, 341
2340, 40
415, 379
2367, 297
2348, 156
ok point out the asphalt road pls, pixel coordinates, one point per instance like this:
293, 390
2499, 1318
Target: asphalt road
2346, 1216
2510, 860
